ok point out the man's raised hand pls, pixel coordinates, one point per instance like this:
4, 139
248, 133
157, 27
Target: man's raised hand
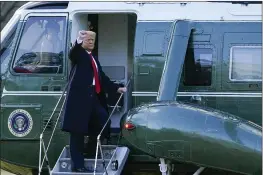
82, 34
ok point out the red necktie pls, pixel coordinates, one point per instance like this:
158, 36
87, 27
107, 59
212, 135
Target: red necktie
96, 76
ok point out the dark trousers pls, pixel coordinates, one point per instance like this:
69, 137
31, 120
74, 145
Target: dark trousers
77, 140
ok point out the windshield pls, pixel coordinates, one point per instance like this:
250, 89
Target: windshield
41, 49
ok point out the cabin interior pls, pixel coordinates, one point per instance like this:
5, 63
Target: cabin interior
114, 47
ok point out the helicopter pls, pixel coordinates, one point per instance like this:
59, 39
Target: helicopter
211, 60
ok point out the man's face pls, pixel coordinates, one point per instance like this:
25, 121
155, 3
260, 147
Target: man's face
88, 42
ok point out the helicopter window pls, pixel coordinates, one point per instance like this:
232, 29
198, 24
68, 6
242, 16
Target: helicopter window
245, 63
42, 46
5, 51
198, 67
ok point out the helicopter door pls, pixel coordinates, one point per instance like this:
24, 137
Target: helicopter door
38, 71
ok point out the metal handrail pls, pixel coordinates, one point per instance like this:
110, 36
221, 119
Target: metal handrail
98, 137
41, 141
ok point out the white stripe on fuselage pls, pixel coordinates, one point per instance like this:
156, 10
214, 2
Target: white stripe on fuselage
138, 93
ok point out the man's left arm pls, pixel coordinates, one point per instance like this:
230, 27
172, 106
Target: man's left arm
109, 85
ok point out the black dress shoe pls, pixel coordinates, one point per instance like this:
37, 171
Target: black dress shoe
80, 170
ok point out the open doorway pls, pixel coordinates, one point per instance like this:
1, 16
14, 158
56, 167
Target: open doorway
114, 48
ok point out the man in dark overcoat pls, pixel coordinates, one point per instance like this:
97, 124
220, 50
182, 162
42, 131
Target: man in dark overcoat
85, 111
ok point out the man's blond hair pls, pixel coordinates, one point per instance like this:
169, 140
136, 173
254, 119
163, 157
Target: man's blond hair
91, 34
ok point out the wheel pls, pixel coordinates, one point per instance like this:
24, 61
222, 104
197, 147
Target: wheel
114, 165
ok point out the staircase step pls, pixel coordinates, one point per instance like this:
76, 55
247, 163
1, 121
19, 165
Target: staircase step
111, 154
65, 165
107, 151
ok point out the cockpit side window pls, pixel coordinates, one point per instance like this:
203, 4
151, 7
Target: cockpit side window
41, 49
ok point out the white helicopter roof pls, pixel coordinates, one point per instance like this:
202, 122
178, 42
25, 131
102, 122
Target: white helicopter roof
149, 11
165, 10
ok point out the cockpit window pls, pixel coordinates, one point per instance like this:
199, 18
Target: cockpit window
42, 46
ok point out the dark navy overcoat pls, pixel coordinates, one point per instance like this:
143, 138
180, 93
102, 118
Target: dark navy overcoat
77, 116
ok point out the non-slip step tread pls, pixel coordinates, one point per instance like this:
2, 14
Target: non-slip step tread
108, 151
75, 173
64, 159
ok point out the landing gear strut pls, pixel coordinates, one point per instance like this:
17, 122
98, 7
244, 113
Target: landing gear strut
167, 168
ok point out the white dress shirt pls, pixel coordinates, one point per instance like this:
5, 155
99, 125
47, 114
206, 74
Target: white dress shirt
80, 41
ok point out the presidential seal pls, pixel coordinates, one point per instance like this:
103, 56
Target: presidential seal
20, 123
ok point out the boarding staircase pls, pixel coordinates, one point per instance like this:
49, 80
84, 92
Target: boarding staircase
114, 158
109, 159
